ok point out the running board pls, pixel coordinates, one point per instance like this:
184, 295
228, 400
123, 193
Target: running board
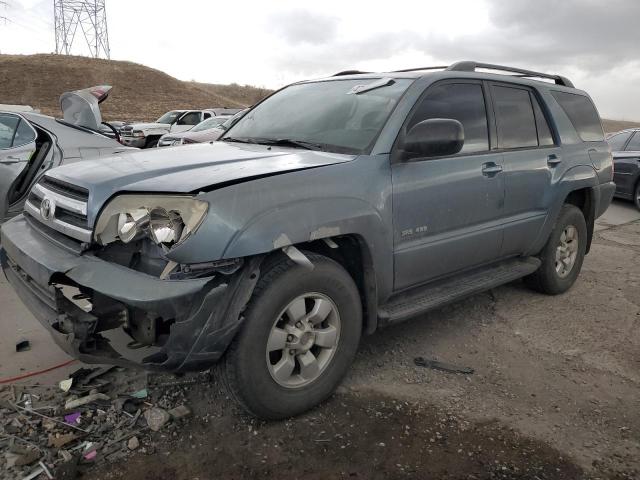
422, 299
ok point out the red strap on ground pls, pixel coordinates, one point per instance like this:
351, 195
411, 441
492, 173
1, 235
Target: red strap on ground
33, 374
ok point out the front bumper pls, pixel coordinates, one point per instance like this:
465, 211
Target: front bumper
138, 142
203, 314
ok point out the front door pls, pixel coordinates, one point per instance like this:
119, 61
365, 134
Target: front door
447, 211
17, 146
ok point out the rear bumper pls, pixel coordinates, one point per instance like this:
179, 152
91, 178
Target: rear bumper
202, 315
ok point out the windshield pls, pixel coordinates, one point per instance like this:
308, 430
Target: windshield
329, 114
169, 117
212, 122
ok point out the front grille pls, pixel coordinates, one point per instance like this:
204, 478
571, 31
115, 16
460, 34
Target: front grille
67, 207
65, 188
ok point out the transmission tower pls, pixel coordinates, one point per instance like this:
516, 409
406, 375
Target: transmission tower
87, 18
4, 4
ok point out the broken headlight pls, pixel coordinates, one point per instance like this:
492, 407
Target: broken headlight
166, 220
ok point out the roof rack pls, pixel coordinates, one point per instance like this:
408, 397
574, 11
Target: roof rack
469, 66
444, 67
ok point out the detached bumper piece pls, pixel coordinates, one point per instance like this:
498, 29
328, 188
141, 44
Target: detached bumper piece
100, 312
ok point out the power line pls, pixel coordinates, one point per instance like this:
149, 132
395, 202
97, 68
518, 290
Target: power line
2, 17
86, 18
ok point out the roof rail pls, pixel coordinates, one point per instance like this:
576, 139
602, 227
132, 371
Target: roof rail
444, 67
348, 72
469, 66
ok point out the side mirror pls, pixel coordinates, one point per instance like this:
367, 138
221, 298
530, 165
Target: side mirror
435, 137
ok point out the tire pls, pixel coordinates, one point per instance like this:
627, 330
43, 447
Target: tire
151, 142
636, 195
255, 377
554, 277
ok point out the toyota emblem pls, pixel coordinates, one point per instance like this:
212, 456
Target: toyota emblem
47, 209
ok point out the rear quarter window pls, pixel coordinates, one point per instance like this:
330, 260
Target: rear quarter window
583, 115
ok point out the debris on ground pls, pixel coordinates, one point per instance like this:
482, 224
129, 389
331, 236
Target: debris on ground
445, 367
95, 416
23, 345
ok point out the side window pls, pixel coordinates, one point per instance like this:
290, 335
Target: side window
460, 101
634, 144
618, 141
582, 114
545, 138
24, 134
207, 115
191, 118
8, 127
514, 118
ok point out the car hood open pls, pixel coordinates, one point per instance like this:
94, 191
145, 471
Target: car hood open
188, 169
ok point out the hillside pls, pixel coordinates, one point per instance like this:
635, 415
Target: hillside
139, 92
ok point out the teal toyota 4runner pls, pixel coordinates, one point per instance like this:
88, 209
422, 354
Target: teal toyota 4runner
333, 208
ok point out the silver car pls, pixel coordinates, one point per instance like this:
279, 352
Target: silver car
31, 144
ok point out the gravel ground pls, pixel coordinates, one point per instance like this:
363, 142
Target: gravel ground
555, 394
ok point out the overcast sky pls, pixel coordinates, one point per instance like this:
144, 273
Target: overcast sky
269, 43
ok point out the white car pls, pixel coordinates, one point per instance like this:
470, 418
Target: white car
146, 135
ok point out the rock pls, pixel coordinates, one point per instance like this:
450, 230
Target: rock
133, 443
179, 412
156, 418
59, 441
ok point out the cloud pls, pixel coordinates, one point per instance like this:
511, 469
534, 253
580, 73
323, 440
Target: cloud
303, 27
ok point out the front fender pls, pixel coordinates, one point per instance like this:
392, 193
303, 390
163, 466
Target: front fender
266, 214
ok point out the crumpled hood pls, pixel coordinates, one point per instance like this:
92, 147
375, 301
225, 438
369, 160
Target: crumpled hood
187, 169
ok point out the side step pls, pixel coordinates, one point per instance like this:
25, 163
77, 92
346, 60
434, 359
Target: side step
436, 294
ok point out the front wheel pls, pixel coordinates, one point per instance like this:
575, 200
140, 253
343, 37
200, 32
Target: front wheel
301, 333
563, 254
636, 195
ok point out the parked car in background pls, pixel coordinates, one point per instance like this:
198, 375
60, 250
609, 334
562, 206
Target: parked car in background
208, 131
625, 146
332, 208
146, 135
31, 144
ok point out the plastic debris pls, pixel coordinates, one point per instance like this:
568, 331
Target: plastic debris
65, 385
445, 367
73, 418
181, 411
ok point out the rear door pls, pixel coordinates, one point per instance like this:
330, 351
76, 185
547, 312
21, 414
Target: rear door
447, 210
17, 145
531, 158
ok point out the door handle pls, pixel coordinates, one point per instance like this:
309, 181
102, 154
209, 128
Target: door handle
10, 160
490, 169
553, 160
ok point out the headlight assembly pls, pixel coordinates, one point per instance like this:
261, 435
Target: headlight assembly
166, 220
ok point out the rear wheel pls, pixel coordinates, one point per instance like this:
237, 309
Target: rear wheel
563, 254
301, 333
636, 195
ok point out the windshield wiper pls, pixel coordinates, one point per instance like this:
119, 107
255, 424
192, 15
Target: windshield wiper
288, 142
237, 140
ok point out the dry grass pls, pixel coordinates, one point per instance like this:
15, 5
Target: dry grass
611, 126
139, 92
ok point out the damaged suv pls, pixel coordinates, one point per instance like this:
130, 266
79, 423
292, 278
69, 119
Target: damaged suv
332, 208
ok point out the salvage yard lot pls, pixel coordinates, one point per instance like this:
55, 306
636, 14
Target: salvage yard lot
555, 393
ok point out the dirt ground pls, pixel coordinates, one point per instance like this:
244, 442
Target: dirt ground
555, 395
